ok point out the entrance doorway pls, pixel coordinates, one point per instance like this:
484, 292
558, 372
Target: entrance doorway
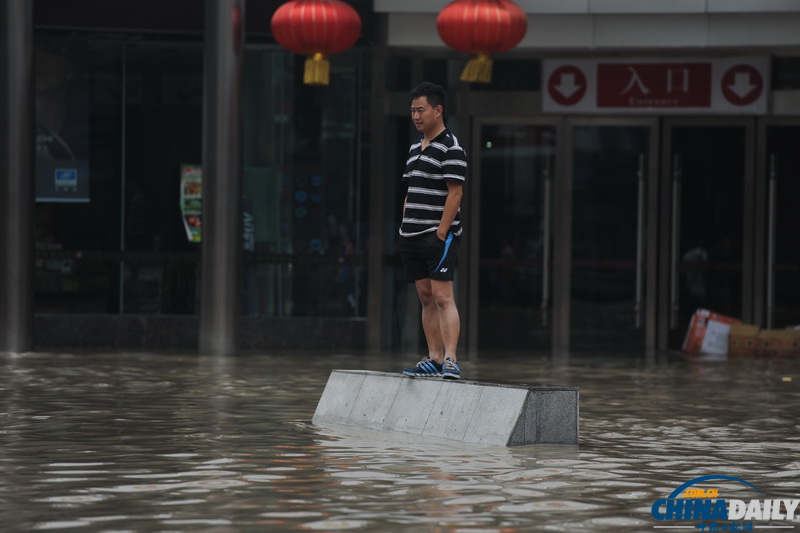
602, 297
512, 245
611, 178
605, 235
782, 169
709, 167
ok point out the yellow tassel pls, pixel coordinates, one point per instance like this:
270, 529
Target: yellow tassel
318, 70
478, 69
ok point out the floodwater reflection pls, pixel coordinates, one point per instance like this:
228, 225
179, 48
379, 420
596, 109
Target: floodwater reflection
153, 442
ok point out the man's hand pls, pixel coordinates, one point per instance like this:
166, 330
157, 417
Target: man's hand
454, 192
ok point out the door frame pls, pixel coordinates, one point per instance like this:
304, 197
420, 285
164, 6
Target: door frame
761, 247
666, 220
468, 291
563, 239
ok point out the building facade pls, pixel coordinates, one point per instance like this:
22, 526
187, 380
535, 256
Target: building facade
630, 162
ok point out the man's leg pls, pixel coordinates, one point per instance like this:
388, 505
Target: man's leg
431, 321
449, 322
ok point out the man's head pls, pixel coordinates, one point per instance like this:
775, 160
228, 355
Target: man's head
427, 107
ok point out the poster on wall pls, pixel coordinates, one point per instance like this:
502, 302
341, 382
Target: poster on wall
191, 204
191, 201
62, 123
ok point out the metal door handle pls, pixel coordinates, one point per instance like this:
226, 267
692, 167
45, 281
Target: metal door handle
637, 309
676, 228
773, 189
546, 243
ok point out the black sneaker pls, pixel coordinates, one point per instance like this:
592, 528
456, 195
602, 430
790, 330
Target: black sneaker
427, 367
450, 369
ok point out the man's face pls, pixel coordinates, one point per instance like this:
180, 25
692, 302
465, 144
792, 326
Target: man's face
425, 117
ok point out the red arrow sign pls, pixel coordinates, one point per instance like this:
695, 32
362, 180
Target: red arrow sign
567, 85
742, 85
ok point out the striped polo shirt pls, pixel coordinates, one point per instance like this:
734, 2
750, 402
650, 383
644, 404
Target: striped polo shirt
427, 173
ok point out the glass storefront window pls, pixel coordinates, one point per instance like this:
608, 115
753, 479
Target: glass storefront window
163, 132
125, 121
303, 188
78, 144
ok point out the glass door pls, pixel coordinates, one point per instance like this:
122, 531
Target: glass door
783, 219
610, 182
708, 169
512, 279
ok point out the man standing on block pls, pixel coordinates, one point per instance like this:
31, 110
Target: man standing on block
431, 228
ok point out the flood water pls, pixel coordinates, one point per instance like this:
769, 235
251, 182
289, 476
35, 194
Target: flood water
171, 442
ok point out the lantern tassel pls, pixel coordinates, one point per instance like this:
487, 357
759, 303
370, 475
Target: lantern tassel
318, 70
478, 69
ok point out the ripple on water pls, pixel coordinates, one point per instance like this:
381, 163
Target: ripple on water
618, 521
635, 495
475, 500
535, 473
291, 514
78, 498
331, 525
61, 524
551, 506
160, 487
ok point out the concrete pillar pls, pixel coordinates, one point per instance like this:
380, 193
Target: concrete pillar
562, 248
222, 187
16, 175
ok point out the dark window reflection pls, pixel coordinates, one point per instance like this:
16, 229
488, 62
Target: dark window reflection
125, 121
303, 184
78, 168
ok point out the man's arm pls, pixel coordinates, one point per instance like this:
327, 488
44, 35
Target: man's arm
451, 205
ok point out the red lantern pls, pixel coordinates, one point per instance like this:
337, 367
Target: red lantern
316, 28
481, 28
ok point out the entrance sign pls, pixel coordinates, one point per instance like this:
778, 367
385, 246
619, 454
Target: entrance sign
742, 85
567, 85
656, 86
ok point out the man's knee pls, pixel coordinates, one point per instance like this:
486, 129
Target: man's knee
443, 298
425, 294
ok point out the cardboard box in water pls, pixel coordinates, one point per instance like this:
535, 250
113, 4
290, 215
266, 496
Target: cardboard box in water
743, 341
779, 343
708, 333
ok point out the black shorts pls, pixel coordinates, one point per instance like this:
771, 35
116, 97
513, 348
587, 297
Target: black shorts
427, 256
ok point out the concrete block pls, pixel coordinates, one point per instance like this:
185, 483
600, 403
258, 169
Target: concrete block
375, 398
413, 405
453, 411
338, 397
503, 414
500, 408
549, 417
